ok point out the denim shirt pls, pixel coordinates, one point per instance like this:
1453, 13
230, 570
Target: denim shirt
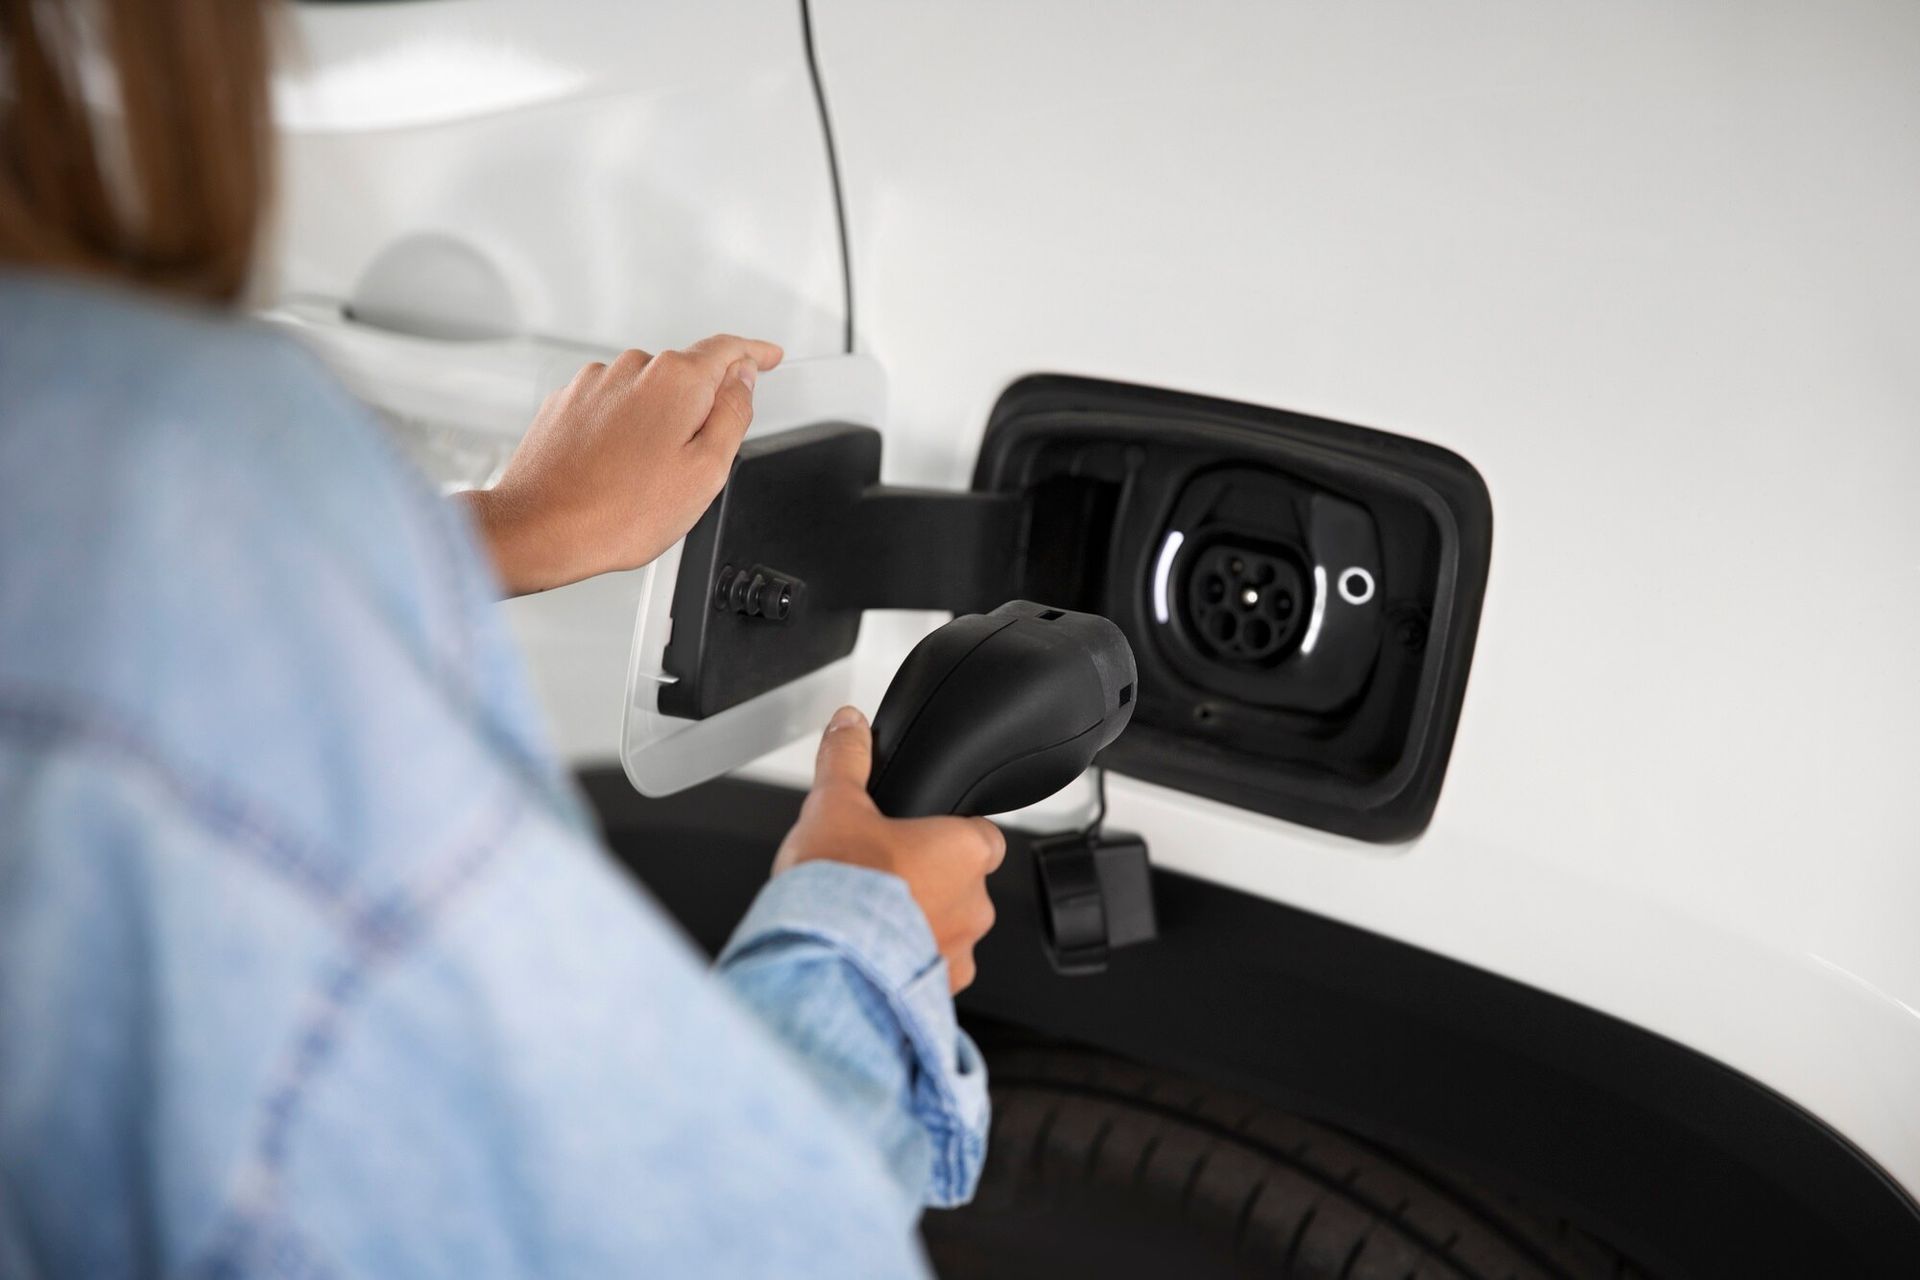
310, 963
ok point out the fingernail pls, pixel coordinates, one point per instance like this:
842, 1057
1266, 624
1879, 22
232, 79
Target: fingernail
845, 718
746, 372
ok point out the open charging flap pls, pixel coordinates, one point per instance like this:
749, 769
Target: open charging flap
460, 407
673, 738
666, 753
745, 629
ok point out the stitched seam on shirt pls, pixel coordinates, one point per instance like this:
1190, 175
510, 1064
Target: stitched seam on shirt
381, 936
946, 1129
247, 828
955, 1143
377, 931
285, 1254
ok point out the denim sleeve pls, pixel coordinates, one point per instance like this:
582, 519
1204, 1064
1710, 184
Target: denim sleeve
309, 963
505, 1064
838, 961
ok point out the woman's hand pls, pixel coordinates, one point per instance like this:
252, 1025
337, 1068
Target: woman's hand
620, 462
945, 861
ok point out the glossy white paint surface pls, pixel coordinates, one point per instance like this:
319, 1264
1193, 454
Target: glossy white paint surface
641, 174
638, 175
1652, 268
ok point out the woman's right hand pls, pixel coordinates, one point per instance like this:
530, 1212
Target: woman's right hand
945, 861
620, 462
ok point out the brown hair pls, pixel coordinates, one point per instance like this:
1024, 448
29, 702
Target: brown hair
164, 184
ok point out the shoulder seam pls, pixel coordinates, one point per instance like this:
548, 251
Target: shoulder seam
244, 824
385, 932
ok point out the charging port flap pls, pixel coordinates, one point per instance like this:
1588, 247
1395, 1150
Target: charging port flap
668, 746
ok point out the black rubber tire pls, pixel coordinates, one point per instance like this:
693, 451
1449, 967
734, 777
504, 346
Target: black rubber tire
1101, 1168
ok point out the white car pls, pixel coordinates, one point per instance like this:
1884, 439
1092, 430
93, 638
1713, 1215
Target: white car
1494, 428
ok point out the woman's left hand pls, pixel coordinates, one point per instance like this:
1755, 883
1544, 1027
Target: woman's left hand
620, 462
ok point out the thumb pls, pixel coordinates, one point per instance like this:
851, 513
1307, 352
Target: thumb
732, 410
846, 750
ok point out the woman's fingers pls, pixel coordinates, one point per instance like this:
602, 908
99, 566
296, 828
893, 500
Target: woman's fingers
994, 842
630, 362
960, 971
722, 349
846, 751
945, 861
732, 411
603, 478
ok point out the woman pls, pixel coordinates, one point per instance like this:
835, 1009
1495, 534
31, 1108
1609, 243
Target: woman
308, 961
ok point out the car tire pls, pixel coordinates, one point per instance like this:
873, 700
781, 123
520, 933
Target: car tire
1098, 1167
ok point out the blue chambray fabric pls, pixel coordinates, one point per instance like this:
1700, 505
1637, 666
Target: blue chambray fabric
310, 964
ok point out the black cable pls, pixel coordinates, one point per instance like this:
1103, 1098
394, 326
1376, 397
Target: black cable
833, 172
1092, 828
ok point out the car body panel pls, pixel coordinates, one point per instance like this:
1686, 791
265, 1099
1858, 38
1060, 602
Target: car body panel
1650, 269
637, 173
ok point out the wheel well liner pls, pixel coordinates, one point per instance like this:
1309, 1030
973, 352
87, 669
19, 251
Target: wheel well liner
1686, 1164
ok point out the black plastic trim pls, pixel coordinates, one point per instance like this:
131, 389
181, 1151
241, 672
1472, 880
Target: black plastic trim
805, 509
1687, 1165
1395, 799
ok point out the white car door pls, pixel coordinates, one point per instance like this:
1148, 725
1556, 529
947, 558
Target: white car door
477, 198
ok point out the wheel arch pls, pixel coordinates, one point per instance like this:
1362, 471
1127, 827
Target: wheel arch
1687, 1165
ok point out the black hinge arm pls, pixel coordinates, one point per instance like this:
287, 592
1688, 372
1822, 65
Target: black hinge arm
929, 549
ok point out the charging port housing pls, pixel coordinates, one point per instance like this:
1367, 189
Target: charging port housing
1301, 595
